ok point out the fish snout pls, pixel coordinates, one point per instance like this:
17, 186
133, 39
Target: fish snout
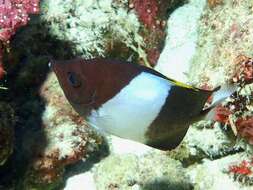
51, 64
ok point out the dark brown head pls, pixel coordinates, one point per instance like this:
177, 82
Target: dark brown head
92, 82
72, 80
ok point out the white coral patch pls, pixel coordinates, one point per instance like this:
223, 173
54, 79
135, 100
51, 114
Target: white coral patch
62, 134
93, 24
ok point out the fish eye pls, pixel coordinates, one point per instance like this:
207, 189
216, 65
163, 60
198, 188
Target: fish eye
74, 80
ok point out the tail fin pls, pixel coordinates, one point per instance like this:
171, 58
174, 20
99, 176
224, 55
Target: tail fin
219, 96
224, 92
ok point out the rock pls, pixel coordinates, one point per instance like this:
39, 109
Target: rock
181, 41
216, 172
152, 171
224, 34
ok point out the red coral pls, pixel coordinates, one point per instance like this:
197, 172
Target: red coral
14, 14
153, 15
147, 11
245, 71
245, 128
1, 65
153, 56
244, 168
222, 114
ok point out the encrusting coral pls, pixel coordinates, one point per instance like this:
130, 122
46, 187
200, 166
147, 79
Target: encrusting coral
217, 171
153, 15
66, 139
152, 171
110, 28
13, 15
242, 171
224, 34
237, 111
88, 26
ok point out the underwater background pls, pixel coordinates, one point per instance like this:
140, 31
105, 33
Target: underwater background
46, 145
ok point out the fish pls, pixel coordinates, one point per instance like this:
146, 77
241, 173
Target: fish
132, 101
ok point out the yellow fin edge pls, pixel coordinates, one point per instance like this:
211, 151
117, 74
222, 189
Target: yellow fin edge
181, 84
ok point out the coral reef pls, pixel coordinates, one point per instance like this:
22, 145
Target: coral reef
223, 41
242, 172
132, 172
153, 16
147, 11
237, 113
66, 139
13, 15
244, 168
237, 110
225, 33
205, 140
22, 96
59, 136
49, 135
245, 70
53, 144
216, 172
223, 55
88, 27
245, 128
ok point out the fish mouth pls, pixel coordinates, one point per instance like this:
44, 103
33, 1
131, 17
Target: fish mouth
90, 102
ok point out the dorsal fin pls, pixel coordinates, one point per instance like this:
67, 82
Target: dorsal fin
177, 83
